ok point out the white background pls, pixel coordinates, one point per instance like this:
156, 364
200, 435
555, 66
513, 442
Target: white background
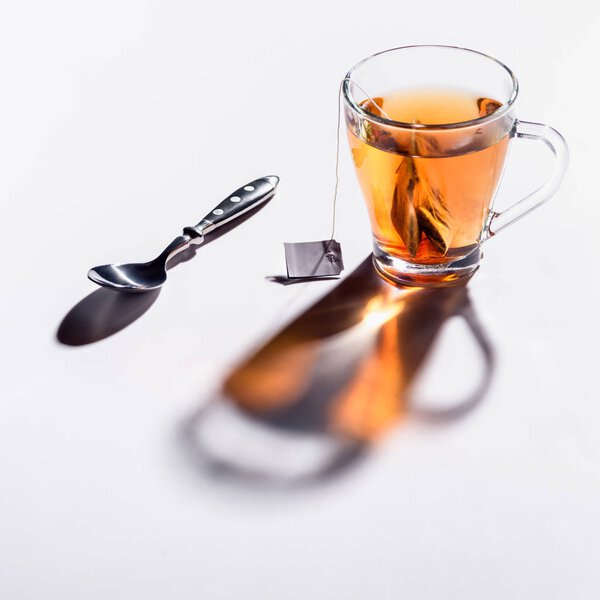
123, 121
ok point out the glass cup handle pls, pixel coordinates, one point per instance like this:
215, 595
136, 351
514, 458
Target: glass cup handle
497, 221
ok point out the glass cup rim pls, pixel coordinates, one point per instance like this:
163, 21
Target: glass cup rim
424, 126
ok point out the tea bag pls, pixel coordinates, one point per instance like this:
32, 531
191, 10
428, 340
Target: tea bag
404, 216
433, 216
417, 206
432, 210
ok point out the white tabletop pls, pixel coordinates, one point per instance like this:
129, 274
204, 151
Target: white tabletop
123, 122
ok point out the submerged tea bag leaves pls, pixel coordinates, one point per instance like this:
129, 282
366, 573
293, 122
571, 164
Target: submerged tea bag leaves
418, 207
487, 106
385, 141
432, 210
404, 216
425, 145
433, 216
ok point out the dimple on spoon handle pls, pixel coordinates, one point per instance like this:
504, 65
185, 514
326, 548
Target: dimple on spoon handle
242, 200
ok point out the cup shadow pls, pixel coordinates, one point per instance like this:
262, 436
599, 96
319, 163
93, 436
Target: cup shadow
312, 401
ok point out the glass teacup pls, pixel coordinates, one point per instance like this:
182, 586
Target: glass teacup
429, 152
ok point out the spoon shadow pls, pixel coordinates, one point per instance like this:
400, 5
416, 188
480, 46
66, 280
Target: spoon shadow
102, 314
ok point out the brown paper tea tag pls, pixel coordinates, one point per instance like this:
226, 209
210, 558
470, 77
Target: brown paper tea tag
309, 260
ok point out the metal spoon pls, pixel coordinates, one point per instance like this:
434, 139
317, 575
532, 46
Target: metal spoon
139, 277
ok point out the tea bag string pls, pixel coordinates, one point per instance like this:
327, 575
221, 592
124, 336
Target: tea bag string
337, 145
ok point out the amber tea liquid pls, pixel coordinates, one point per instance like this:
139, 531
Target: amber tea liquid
427, 205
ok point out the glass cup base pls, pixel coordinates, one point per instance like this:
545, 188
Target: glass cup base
398, 271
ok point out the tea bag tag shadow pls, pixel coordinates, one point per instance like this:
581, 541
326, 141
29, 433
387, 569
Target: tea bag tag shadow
308, 260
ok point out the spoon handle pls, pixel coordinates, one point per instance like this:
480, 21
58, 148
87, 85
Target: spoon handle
242, 200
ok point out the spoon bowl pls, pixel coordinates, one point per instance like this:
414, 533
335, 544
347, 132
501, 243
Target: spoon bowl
136, 277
